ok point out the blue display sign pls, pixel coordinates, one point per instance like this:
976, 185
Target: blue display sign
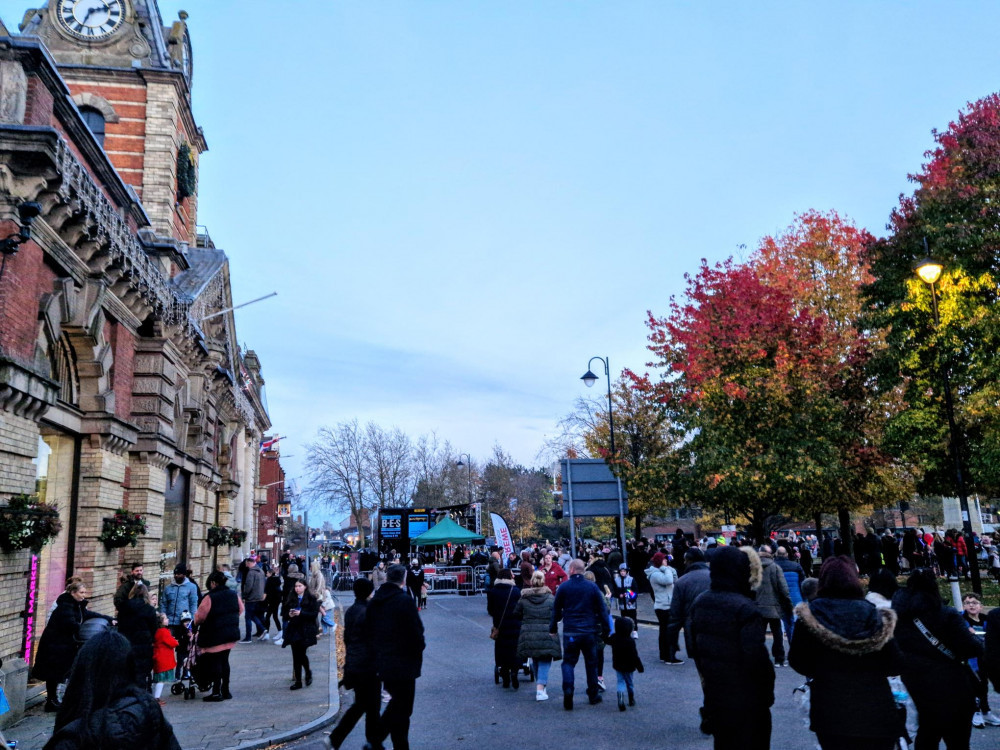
390, 525
419, 523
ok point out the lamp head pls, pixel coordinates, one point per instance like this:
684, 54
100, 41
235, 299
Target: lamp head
26, 213
929, 270
460, 463
589, 378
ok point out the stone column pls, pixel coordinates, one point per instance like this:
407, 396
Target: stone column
147, 482
102, 474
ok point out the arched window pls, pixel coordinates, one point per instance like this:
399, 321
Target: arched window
57, 359
95, 121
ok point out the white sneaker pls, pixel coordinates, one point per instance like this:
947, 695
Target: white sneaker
541, 695
992, 719
264, 637
978, 721
277, 641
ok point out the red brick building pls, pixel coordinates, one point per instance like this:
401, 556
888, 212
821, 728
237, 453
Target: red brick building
121, 382
270, 492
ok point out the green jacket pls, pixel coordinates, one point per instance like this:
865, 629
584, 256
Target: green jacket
535, 609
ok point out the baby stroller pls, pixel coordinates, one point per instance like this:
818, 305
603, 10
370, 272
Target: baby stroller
189, 681
525, 667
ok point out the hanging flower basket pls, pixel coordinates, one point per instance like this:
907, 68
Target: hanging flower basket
218, 536
27, 523
237, 537
122, 529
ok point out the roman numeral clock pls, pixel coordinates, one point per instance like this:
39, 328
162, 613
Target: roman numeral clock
90, 20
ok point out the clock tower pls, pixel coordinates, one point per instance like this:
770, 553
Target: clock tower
130, 76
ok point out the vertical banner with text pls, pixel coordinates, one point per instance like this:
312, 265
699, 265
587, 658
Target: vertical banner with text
501, 532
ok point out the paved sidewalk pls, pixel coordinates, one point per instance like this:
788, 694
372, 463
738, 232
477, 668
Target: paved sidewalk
262, 711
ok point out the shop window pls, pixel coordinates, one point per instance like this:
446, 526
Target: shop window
55, 484
175, 522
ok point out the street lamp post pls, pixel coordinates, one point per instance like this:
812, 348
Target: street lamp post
589, 378
469, 465
929, 271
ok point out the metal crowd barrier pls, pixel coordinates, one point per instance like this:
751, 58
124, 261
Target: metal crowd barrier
451, 579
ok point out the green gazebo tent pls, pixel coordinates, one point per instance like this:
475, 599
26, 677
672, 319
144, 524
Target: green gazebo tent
443, 532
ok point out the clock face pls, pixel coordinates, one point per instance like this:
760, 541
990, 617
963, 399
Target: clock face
90, 19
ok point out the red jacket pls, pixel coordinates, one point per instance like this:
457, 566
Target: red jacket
960, 547
554, 576
163, 651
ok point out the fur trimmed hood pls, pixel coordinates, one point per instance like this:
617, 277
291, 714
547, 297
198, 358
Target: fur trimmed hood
850, 626
537, 594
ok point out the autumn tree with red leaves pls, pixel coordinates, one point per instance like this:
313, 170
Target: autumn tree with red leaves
765, 371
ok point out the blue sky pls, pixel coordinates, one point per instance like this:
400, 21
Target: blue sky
460, 202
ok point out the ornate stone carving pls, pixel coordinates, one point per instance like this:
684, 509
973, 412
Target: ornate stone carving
25, 393
229, 489
86, 220
13, 92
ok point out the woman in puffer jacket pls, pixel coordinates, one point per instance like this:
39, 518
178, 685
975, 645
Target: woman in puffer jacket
662, 578
535, 643
845, 645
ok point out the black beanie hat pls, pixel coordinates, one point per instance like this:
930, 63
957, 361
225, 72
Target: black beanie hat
363, 588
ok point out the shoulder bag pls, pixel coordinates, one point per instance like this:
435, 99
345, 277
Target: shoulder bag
495, 630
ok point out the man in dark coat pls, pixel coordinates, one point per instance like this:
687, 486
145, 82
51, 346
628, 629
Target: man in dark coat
252, 591
727, 641
690, 586
890, 552
873, 550
679, 545
359, 671
638, 561
580, 605
397, 638
125, 587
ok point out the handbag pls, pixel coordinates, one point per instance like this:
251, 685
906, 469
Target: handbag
495, 630
936, 643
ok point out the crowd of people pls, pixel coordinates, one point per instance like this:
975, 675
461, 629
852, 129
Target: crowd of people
871, 634
162, 638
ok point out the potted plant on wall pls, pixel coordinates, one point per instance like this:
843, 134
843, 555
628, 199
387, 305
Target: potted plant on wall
27, 523
218, 536
122, 529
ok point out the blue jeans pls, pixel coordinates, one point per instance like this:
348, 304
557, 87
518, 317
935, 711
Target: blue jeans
789, 623
251, 614
625, 682
573, 646
542, 670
